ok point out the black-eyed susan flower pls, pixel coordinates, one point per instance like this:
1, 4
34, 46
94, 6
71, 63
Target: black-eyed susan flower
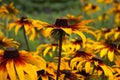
104, 33
29, 25
10, 10
103, 16
90, 8
7, 42
78, 28
48, 73
107, 47
116, 11
16, 65
47, 49
83, 61
116, 32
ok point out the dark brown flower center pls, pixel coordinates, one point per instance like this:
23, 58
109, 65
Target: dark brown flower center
61, 23
11, 53
118, 28
78, 41
23, 18
94, 7
82, 53
54, 44
107, 30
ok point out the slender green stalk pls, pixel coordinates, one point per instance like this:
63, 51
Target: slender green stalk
59, 56
26, 40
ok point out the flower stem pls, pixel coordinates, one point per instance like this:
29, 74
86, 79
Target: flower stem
59, 56
26, 41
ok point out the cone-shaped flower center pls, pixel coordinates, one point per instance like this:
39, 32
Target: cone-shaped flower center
23, 19
11, 53
119, 28
61, 22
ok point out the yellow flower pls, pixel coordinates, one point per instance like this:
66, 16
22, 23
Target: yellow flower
116, 32
107, 47
48, 73
16, 64
47, 49
30, 26
7, 42
9, 10
116, 11
90, 8
104, 33
103, 17
83, 61
78, 28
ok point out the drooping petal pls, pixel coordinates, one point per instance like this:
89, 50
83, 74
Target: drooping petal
11, 69
3, 72
87, 67
33, 34
47, 31
3, 75
103, 52
111, 55
10, 26
46, 50
107, 71
81, 35
67, 30
17, 29
30, 70
19, 70
116, 35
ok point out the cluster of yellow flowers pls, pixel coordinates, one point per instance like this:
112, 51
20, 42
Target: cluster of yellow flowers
76, 50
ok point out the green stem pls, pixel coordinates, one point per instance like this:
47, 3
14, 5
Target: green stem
59, 56
26, 41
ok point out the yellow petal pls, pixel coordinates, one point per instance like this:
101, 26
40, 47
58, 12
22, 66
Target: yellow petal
20, 72
33, 34
111, 55
87, 67
17, 28
30, 70
99, 46
103, 52
44, 77
67, 30
74, 62
107, 71
81, 35
3, 75
116, 35
46, 50
91, 32
11, 70
80, 64
11, 25
47, 31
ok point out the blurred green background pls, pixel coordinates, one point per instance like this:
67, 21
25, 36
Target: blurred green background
50, 10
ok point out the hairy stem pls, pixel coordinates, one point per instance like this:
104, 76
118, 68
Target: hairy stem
59, 56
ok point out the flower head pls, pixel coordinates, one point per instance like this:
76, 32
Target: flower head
8, 10
78, 28
7, 42
16, 65
29, 25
